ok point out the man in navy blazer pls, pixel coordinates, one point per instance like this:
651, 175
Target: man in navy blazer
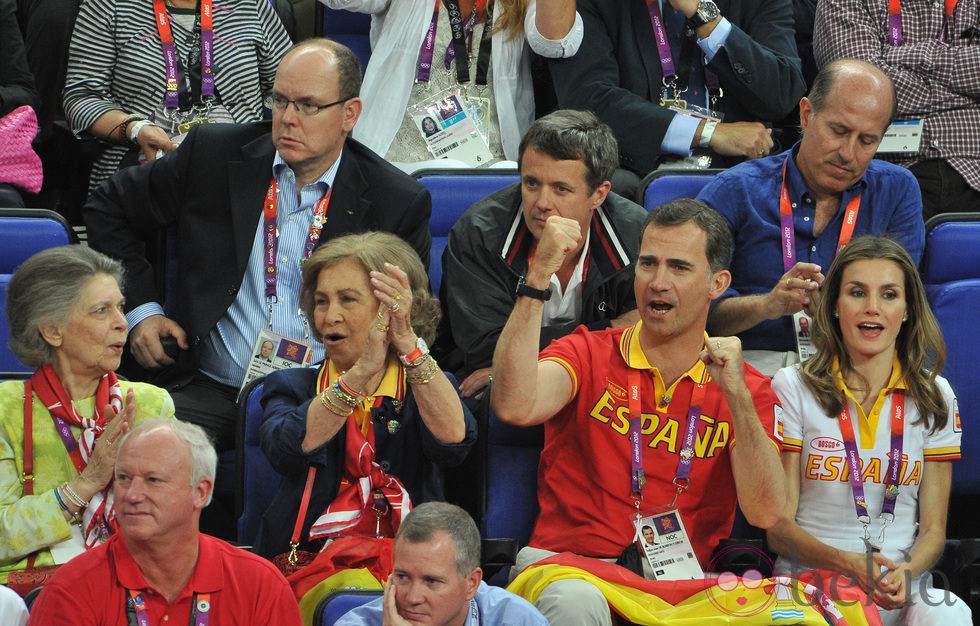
745, 46
223, 190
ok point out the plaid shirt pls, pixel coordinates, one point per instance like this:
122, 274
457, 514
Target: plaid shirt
937, 82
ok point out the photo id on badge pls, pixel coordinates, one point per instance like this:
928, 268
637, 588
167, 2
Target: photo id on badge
272, 352
447, 125
667, 546
803, 331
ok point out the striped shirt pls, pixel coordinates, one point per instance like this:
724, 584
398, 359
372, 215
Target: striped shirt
115, 62
228, 347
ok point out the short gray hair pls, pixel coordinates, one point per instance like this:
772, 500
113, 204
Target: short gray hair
425, 520
44, 289
203, 457
568, 135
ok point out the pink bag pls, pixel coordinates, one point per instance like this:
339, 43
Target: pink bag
19, 164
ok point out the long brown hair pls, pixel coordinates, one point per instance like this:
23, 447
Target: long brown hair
511, 20
920, 346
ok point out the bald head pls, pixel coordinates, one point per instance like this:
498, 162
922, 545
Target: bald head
854, 77
332, 52
843, 120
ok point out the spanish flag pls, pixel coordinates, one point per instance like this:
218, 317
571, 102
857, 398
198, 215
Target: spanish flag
705, 602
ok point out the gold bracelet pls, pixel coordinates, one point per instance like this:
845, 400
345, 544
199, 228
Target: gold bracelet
324, 397
424, 373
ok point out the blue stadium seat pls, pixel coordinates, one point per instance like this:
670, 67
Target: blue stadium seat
259, 481
661, 186
336, 604
453, 191
951, 272
347, 27
24, 232
27, 231
512, 480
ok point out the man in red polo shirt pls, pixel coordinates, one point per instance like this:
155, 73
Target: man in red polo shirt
160, 569
630, 413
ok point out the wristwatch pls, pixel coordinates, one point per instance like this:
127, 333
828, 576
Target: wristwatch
415, 357
706, 12
523, 289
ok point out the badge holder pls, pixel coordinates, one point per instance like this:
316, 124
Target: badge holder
803, 331
701, 159
478, 107
284, 353
446, 123
664, 542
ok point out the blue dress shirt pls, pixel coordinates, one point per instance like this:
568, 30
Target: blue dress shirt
228, 348
747, 196
492, 606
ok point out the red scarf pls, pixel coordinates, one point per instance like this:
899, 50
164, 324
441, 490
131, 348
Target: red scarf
98, 520
369, 501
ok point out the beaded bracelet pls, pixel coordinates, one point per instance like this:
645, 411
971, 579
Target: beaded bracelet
348, 399
73, 497
120, 129
422, 361
423, 373
324, 397
75, 517
349, 391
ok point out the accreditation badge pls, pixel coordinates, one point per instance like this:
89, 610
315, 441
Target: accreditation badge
447, 125
901, 137
667, 547
272, 352
803, 332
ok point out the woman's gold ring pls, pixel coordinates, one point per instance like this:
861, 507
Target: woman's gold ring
395, 306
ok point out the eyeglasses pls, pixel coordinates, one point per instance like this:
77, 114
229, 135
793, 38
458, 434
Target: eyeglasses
304, 107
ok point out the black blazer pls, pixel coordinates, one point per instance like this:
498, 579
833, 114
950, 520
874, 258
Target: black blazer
212, 190
617, 75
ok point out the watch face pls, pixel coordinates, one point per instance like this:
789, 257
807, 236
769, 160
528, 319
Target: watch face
707, 11
421, 345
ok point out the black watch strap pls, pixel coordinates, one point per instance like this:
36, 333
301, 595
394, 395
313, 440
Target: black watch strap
523, 289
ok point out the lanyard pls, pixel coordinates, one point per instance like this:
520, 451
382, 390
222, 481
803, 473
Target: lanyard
663, 44
895, 21
787, 234
893, 475
170, 53
683, 473
458, 48
271, 236
136, 609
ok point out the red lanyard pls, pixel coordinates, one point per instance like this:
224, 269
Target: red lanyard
271, 236
170, 53
787, 233
893, 475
